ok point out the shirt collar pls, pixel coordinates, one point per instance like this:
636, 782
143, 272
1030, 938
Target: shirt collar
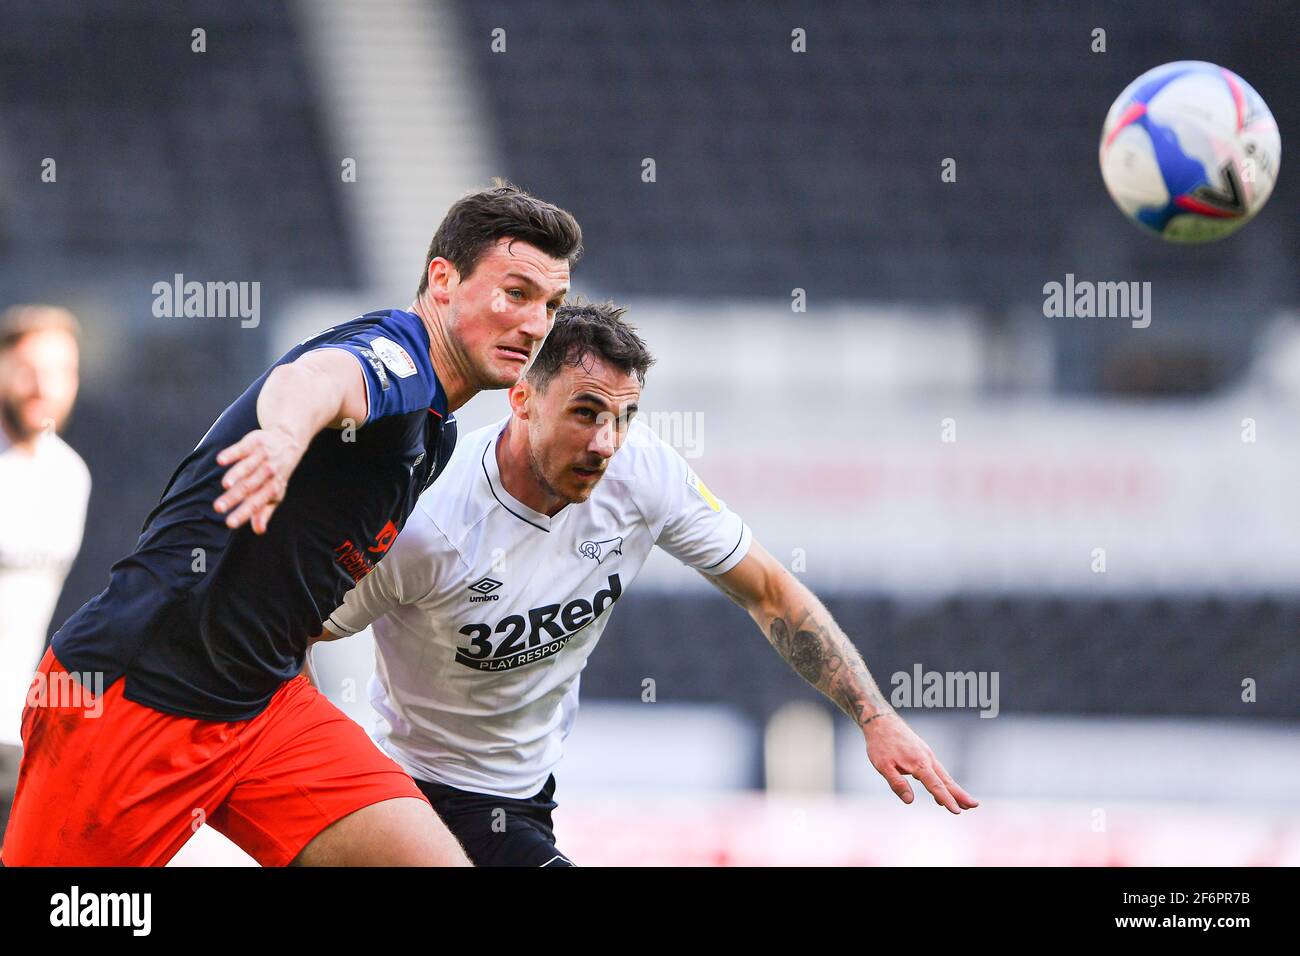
508, 501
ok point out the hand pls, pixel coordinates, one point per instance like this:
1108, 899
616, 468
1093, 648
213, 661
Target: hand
894, 749
263, 460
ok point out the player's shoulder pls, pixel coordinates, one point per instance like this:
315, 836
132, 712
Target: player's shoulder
399, 323
457, 502
393, 341
398, 339
644, 458
645, 470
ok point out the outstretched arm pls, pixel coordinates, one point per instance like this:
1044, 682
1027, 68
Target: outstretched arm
323, 388
804, 633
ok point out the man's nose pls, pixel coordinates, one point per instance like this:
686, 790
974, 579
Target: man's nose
537, 323
604, 442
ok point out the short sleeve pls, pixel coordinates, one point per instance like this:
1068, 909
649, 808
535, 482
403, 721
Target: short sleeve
395, 383
698, 528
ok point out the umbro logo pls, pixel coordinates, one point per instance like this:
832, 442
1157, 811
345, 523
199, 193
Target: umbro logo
483, 589
598, 551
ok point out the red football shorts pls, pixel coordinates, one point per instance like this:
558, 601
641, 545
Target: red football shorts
110, 782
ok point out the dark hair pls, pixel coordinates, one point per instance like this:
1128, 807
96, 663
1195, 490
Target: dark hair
478, 220
18, 321
593, 328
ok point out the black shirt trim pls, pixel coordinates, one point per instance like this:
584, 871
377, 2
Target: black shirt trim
483, 462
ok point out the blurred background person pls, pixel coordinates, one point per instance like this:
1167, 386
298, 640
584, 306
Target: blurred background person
44, 489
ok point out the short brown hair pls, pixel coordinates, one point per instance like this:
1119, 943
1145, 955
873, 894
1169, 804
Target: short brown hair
18, 321
478, 220
595, 328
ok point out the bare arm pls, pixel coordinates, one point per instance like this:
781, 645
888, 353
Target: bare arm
325, 635
324, 388
803, 632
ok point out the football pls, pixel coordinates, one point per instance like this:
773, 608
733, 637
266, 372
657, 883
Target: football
1189, 151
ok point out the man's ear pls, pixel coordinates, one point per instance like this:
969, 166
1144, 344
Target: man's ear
443, 277
520, 395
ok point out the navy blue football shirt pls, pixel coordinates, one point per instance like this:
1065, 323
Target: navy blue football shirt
205, 621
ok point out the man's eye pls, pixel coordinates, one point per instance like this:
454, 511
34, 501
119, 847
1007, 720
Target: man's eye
587, 414
516, 292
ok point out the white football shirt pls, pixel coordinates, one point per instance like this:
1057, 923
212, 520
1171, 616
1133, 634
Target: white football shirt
43, 499
485, 611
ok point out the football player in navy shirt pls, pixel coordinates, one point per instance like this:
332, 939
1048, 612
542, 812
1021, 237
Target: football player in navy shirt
175, 697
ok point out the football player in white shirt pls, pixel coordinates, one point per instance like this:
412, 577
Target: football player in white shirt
485, 610
44, 488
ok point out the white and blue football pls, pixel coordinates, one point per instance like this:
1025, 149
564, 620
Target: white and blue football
1190, 151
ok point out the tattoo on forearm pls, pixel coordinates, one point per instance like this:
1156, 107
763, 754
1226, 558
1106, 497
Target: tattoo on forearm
781, 637
807, 656
822, 655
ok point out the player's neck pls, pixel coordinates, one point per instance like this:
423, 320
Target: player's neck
517, 473
449, 364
